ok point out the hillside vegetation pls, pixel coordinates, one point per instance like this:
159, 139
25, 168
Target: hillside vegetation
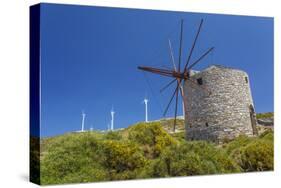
265, 115
147, 150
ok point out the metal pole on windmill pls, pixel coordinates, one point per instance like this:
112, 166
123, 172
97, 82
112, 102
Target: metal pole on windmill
183, 108
112, 119
146, 112
175, 68
83, 121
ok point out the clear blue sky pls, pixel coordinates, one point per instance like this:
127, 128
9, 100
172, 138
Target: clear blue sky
89, 59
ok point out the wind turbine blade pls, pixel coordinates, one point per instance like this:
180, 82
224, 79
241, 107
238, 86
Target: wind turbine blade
198, 60
172, 55
179, 67
176, 111
193, 45
166, 86
165, 112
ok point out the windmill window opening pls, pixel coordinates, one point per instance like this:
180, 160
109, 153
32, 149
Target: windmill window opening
207, 124
200, 81
246, 79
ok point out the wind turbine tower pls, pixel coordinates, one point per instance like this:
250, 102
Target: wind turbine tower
112, 119
83, 121
145, 103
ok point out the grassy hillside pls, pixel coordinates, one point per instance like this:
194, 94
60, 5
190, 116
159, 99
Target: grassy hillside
265, 115
147, 150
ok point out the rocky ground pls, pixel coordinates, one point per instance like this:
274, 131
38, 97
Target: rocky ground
265, 124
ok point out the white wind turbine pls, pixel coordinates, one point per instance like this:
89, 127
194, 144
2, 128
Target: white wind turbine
112, 119
145, 101
83, 121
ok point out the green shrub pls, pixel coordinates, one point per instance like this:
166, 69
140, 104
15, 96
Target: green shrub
113, 136
74, 159
34, 159
152, 137
179, 136
145, 150
256, 156
120, 156
87, 174
253, 154
237, 143
122, 159
194, 158
267, 135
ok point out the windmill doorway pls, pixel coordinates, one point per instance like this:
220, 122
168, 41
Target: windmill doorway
253, 119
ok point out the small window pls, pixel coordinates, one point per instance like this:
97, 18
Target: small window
200, 81
207, 124
246, 80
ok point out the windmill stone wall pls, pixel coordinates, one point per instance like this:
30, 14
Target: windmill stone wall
218, 105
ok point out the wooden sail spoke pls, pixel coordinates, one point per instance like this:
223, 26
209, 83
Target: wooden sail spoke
166, 110
199, 59
180, 47
193, 45
176, 111
166, 86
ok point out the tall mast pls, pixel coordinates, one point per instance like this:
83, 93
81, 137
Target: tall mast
175, 68
146, 111
112, 119
83, 121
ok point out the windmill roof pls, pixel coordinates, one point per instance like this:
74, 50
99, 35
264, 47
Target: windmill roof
214, 66
221, 67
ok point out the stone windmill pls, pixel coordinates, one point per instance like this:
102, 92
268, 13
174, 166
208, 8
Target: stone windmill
217, 101
225, 114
